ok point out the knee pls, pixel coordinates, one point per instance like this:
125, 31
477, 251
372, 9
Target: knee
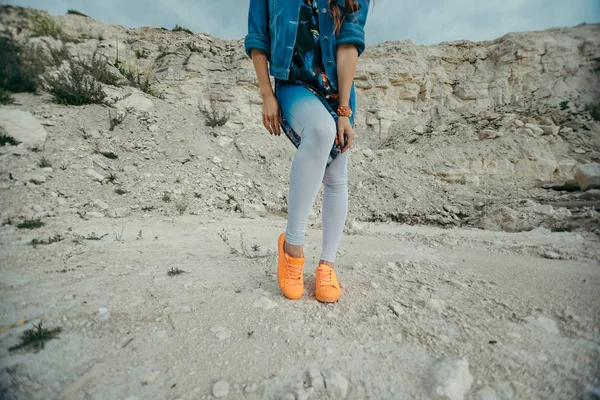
324, 133
335, 179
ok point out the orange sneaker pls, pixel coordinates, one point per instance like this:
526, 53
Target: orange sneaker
289, 272
327, 286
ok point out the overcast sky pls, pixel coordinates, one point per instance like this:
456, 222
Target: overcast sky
422, 21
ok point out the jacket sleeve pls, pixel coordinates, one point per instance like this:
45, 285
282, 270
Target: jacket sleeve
258, 28
352, 30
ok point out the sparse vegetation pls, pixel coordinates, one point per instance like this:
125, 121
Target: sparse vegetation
31, 224
137, 79
175, 272
51, 239
36, 338
120, 191
96, 66
118, 232
19, 71
42, 24
166, 197
116, 119
198, 195
5, 97
594, 111
564, 105
111, 178
75, 87
75, 12
94, 236
212, 116
44, 162
8, 140
182, 29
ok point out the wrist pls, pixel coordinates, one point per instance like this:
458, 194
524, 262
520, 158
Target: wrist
344, 111
267, 94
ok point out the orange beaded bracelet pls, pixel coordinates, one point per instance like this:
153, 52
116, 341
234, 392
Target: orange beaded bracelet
344, 111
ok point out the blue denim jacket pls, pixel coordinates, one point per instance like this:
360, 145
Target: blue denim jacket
273, 25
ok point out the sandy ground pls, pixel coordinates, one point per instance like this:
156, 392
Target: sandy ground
528, 325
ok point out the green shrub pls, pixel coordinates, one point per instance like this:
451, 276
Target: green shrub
43, 24
75, 87
8, 140
5, 97
96, 66
182, 29
19, 70
594, 111
75, 12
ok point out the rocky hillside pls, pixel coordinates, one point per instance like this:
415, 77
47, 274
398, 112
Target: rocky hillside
457, 134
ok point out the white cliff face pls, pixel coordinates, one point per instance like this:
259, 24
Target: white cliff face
461, 124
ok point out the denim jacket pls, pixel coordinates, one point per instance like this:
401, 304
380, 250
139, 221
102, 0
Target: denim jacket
273, 25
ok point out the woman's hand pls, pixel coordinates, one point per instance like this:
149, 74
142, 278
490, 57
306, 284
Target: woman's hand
270, 114
344, 126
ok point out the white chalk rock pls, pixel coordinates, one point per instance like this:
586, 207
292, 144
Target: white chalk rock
449, 379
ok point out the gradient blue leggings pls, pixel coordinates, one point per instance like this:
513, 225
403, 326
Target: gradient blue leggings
312, 121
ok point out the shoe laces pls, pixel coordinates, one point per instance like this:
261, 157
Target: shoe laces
325, 277
294, 273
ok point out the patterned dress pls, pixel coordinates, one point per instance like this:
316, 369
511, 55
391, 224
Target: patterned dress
307, 70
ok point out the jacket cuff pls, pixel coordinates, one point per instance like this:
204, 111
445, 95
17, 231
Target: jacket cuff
256, 41
352, 34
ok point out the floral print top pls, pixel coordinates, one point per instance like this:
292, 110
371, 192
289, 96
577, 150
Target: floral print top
307, 69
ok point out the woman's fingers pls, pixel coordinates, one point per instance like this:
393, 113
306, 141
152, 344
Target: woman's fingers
350, 134
340, 135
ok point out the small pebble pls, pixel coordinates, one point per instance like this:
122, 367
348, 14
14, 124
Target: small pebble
220, 389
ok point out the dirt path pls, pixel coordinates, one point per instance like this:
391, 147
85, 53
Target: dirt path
527, 324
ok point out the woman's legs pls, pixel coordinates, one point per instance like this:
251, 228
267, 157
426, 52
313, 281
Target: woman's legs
335, 207
307, 116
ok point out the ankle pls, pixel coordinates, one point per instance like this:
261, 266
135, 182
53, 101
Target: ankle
328, 263
294, 251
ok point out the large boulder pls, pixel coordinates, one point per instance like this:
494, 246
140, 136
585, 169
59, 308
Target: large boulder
23, 127
587, 176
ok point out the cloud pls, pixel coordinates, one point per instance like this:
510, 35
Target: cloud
423, 21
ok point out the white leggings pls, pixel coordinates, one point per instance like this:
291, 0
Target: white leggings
309, 118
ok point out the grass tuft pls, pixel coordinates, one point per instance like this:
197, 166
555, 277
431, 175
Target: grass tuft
36, 338
111, 178
44, 162
116, 120
8, 140
166, 197
137, 79
175, 272
212, 116
120, 191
